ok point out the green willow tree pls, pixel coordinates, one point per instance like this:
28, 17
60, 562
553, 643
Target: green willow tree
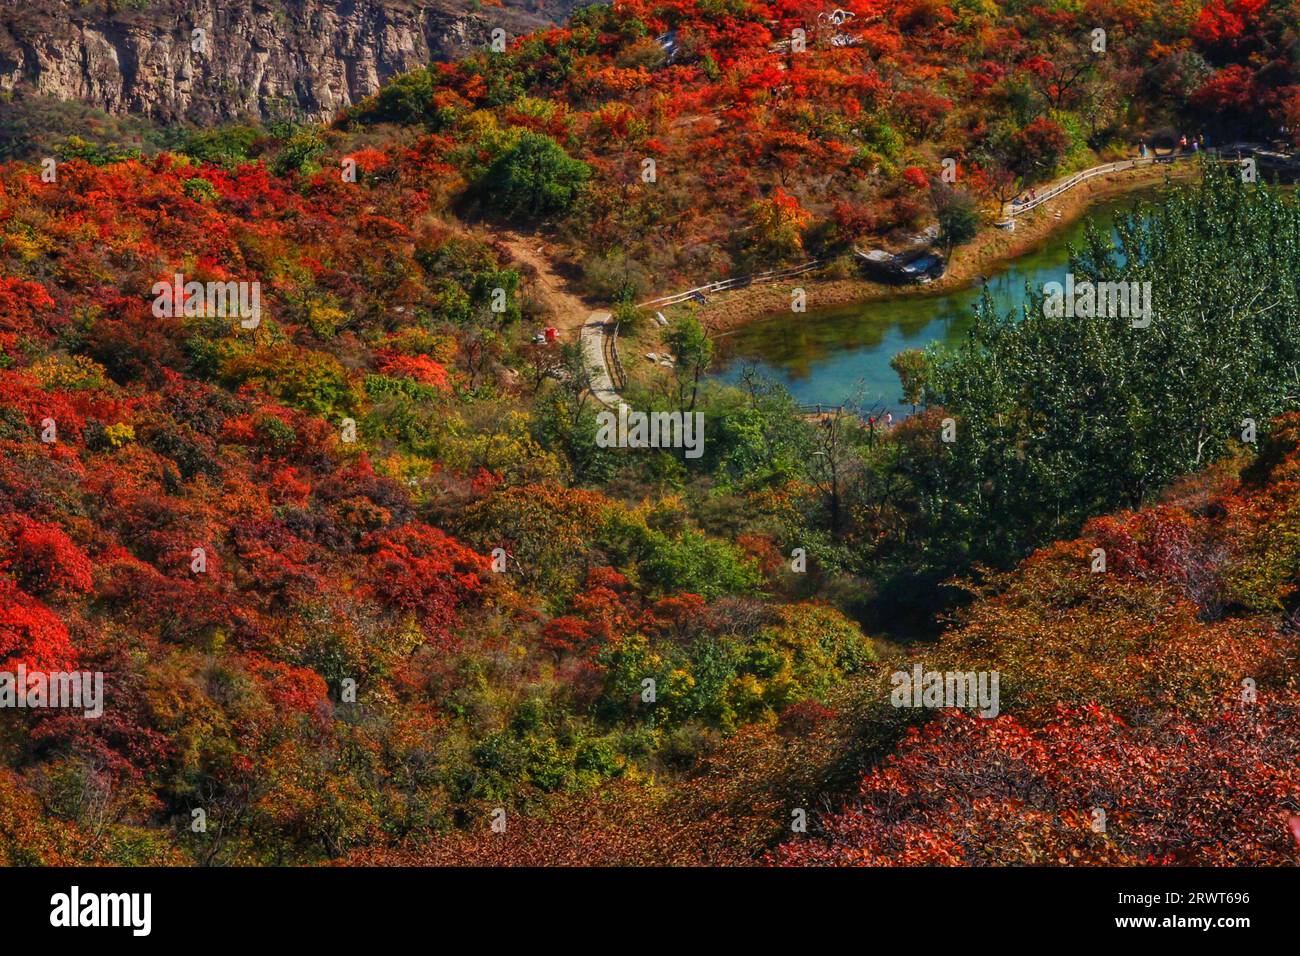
1061, 418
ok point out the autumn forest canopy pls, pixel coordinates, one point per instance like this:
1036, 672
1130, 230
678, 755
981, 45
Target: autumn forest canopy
366, 585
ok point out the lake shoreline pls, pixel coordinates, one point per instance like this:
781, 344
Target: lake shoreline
992, 250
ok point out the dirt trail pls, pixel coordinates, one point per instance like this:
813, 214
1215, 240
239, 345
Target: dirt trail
570, 311
571, 315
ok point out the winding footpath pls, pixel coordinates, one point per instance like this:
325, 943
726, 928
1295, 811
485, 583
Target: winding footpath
591, 332
594, 334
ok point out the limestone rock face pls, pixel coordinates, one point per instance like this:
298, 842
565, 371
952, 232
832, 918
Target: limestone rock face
254, 58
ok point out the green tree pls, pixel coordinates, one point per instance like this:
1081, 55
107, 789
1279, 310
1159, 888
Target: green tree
405, 99
959, 218
565, 419
535, 178
693, 352
227, 145
300, 153
911, 366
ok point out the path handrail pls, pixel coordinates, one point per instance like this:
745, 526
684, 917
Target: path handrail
1010, 210
724, 284
620, 378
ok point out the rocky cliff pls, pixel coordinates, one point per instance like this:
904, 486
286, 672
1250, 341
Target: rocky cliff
208, 60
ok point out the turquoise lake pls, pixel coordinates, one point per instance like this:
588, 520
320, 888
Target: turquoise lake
842, 355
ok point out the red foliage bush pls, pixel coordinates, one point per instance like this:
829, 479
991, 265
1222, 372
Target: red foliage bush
964, 790
31, 634
45, 560
418, 568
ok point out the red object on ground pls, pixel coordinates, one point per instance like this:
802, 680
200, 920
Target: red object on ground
552, 333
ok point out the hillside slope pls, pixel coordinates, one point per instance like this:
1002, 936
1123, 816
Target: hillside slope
360, 572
